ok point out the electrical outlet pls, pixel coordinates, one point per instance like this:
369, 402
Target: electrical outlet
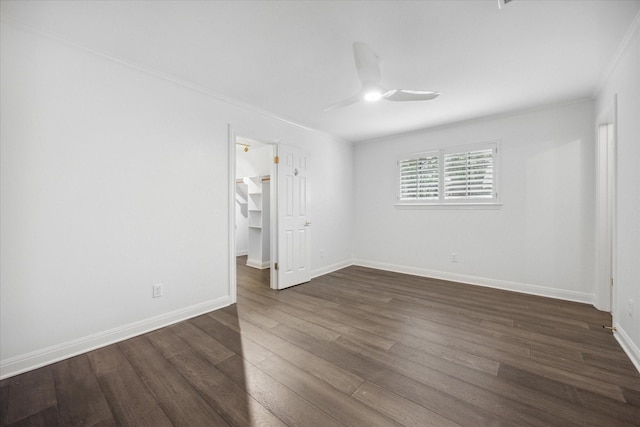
454, 257
158, 290
630, 307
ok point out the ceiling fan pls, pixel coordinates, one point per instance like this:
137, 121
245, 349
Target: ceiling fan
368, 67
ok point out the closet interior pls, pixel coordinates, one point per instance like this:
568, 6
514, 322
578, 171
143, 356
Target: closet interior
253, 199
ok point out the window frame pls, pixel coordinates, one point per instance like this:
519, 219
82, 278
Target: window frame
493, 202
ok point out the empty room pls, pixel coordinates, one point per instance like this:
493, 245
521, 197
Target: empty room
320, 213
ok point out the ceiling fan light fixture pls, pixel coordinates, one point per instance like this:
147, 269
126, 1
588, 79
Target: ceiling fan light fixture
368, 68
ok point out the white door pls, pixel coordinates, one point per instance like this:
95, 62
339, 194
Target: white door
294, 227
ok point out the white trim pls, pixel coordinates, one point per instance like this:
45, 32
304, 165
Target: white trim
160, 75
241, 252
628, 346
605, 244
36, 359
273, 217
614, 213
425, 205
233, 294
258, 264
236, 134
524, 288
330, 268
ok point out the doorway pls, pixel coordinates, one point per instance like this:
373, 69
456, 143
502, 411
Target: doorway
283, 193
252, 210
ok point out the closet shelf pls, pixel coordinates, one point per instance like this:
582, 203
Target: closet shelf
258, 255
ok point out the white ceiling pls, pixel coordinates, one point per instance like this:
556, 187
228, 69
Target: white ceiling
292, 59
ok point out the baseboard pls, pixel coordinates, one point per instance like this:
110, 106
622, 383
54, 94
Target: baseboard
36, 359
629, 347
258, 264
330, 268
543, 291
242, 252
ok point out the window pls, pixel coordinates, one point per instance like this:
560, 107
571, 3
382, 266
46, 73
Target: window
457, 175
419, 178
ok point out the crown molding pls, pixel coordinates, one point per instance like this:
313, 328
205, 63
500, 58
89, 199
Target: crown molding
620, 51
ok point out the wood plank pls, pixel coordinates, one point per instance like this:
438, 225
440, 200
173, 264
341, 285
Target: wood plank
591, 337
344, 329
588, 372
46, 418
480, 302
508, 389
444, 333
620, 365
180, 402
81, 401
449, 406
581, 400
4, 400
631, 396
427, 341
208, 347
331, 352
339, 405
255, 317
402, 410
233, 340
129, 399
339, 378
502, 406
222, 394
280, 400
552, 340
340, 295
28, 394
428, 397
282, 317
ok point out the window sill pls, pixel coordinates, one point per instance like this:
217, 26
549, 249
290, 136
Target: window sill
448, 205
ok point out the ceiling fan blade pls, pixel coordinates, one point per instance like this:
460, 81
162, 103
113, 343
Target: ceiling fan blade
344, 103
367, 64
409, 95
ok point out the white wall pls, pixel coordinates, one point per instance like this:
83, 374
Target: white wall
624, 82
113, 179
255, 162
540, 241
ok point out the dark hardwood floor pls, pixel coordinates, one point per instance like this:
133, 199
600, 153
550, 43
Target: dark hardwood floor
357, 347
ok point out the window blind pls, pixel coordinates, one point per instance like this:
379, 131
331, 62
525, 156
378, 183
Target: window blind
469, 175
455, 175
419, 178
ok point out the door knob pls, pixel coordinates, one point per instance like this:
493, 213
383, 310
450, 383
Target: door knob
307, 223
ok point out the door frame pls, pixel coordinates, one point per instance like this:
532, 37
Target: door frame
233, 135
606, 167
